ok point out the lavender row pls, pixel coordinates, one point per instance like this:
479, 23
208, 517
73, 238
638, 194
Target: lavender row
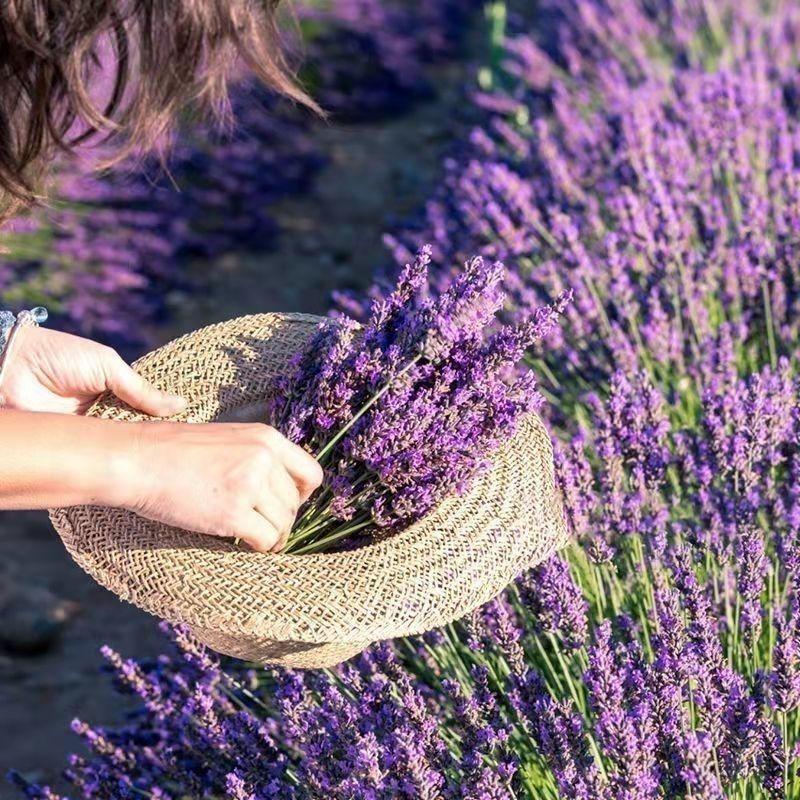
368, 59
663, 189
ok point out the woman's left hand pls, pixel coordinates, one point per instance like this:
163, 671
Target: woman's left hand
60, 373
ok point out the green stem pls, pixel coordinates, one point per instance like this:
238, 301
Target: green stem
325, 542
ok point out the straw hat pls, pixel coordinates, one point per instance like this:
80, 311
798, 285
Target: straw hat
311, 610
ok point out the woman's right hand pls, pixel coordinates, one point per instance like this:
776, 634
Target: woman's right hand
224, 479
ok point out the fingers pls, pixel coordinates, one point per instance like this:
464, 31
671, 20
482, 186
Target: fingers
279, 504
284, 478
304, 468
256, 531
284, 489
138, 393
276, 510
280, 521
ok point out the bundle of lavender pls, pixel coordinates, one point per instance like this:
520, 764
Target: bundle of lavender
409, 408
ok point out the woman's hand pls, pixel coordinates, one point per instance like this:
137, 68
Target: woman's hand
223, 479
52, 371
239, 480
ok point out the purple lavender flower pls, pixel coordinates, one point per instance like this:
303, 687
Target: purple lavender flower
555, 602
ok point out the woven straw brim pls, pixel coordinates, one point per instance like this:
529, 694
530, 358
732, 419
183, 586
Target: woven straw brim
311, 610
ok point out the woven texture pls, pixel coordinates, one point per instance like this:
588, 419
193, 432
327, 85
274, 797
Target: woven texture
311, 610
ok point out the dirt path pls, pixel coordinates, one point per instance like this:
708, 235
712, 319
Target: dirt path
331, 239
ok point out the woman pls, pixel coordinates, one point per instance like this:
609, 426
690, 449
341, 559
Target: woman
73, 71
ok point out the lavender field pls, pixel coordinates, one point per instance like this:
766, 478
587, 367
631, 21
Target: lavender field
642, 158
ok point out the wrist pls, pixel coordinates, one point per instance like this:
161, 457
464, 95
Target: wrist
13, 328
64, 460
125, 465
15, 372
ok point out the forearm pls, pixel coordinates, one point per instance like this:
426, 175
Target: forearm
61, 460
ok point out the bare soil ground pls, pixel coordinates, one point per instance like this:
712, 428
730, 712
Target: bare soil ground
331, 239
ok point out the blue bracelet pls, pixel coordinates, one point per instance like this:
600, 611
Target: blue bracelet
35, 316
9, 323
7, 320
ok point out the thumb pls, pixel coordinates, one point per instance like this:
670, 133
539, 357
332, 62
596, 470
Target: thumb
139, 394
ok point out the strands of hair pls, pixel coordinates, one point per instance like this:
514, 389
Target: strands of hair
154, 58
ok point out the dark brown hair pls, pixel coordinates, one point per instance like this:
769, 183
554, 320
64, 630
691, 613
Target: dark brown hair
158, 56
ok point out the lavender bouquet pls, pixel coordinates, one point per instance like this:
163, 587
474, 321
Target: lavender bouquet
409, 408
